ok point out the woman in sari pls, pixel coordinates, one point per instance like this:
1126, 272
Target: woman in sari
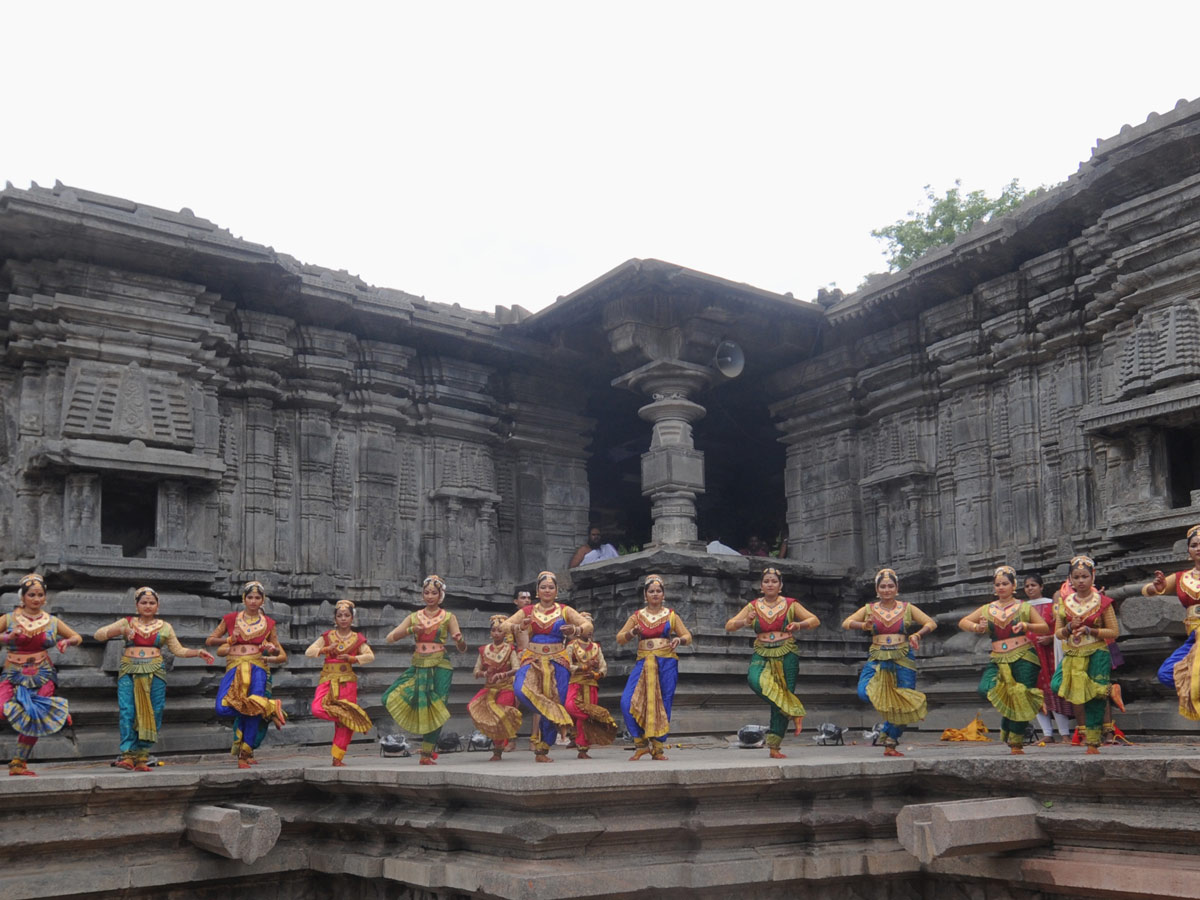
646, 701
417, 699
494, 709
1085, 622
1010, 680
141, 681
29, 679
337, 689
888, 679
776, 660
250, 645
541, 681
1181, 671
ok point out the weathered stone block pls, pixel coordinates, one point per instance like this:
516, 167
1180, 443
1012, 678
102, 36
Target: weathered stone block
235, 830
964, 827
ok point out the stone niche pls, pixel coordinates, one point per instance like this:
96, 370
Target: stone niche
117, 425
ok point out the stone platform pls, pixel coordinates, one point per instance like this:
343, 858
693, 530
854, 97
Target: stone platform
710, 823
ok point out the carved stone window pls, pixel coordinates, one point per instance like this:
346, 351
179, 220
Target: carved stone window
1183, 464
128, 514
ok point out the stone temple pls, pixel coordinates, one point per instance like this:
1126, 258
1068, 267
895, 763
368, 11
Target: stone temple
186, 409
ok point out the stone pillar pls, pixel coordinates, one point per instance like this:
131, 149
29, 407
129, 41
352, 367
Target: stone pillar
672, 469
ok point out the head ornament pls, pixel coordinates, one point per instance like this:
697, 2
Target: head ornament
29, 581
771, 570
1007, 571
140, 592
1194, 530
652, 579
547, 575
886, 573
435, 581
254, 586
1085, 562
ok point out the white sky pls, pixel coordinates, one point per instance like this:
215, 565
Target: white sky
497, 153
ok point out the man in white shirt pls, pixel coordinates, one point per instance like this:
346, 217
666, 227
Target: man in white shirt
594, 550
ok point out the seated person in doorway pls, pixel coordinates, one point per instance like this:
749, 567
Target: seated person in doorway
594, 550
756, 546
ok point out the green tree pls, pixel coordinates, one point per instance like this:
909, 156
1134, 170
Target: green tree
945, 219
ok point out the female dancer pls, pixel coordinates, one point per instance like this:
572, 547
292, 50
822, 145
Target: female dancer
776, 660
1084, 621
594, 725
889, 677
646, 701
541, 681
1009, 680
494, 709
29, 679
417, 699
1181, 671
141, 682
337, 689
248, 641
1055, 712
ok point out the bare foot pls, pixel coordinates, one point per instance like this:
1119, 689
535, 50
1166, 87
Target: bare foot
542, 757
496, 757
427, 761
582, 754
338, 764
639, 753
1092, 751
891, 751
775, 754
1016, 751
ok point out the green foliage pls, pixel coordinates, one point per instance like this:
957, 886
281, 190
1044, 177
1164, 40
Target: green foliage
944, 220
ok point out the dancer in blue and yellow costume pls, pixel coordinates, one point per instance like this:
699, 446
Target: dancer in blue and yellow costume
646, 701
142, 683
776, 660
1181, 671
1085, 621
541, 681
1010, 680
888, 679
417, 699
248, 642
29, 679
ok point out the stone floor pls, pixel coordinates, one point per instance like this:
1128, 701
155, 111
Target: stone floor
710, 822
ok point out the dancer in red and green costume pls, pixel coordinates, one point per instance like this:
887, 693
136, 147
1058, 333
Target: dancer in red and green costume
888, 679
29, 680
142, 681
776, 660
650, 690
336, 699
1085, 622
541, 681
250, 645
417, 699
1010, 680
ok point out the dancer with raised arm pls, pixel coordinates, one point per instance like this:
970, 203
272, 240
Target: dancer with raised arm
1181, 671
142, 681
